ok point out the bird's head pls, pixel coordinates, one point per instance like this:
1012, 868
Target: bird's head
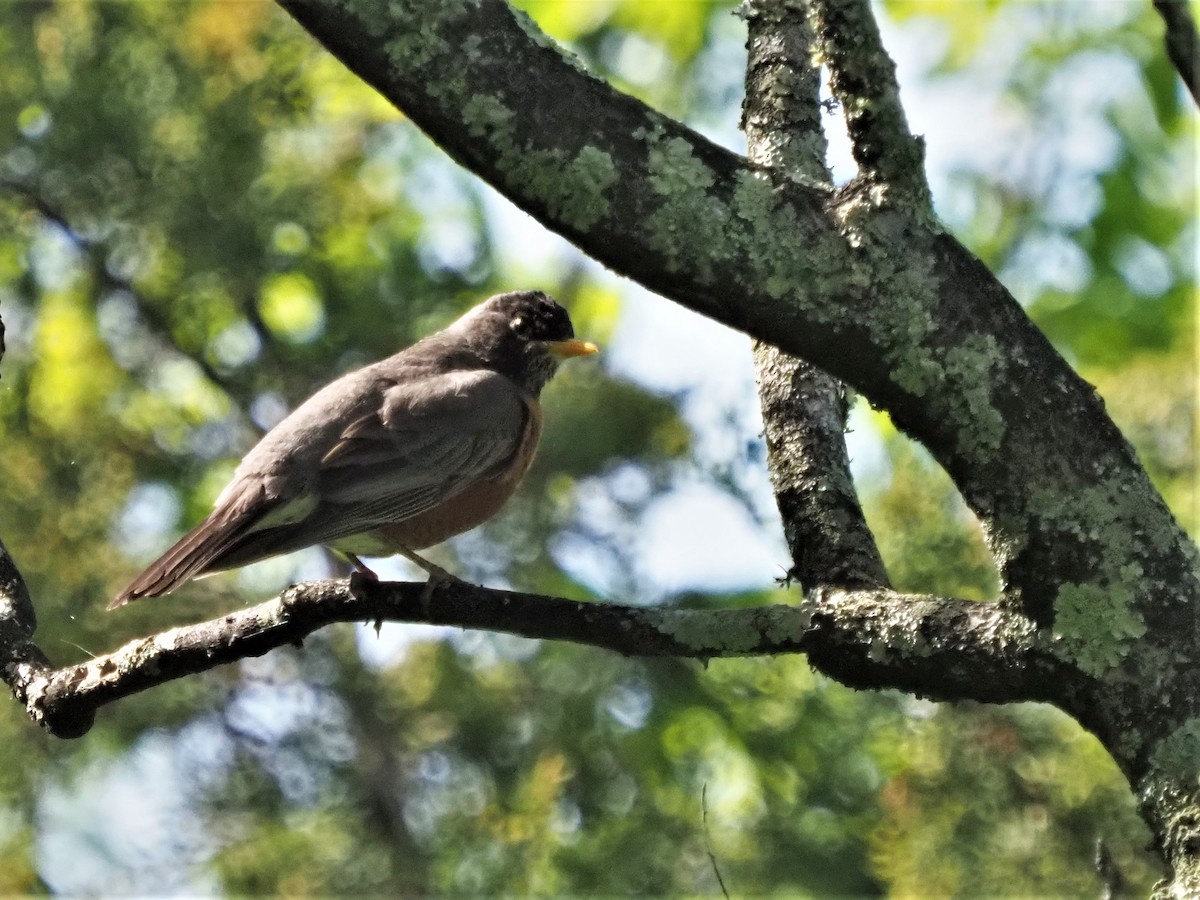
523, 335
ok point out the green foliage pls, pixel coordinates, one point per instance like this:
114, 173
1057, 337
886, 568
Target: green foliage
916, 491
202, 217
1020, 790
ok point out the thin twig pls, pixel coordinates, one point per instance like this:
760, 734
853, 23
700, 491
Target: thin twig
712, 857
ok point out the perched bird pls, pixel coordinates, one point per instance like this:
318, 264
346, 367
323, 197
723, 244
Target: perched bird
393, 457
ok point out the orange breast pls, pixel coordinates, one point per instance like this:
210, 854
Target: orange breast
473, 505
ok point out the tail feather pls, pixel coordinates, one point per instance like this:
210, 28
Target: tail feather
201, 549
237, 533
190, 556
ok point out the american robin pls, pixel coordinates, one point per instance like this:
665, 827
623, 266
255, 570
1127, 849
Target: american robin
394, 457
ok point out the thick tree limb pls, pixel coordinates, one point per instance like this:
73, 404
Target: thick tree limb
804, 409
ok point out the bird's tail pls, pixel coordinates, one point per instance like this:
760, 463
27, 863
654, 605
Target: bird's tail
192, 555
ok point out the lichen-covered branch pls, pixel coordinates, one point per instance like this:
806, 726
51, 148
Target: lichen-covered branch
781, 111
863, 78
935, 647
632, 187
804, 409
804, 420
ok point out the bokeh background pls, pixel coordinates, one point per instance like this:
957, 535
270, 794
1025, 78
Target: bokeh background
203, 217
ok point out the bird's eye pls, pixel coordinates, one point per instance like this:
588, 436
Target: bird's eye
517, 324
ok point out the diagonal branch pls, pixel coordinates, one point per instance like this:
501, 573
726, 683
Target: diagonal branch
601, 168
863, 79
1182, 41
804, 409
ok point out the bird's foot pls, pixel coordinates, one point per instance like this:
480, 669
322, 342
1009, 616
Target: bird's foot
361, 575
437, 577
432, 569
431, 584
436, 580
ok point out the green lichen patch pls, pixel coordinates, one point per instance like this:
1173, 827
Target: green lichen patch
418, 37
781, 268
573, 188
736, 633
918, 372
898, 636
1096, 624
784, 626
1112, 521
903, 284
688, 217
969, 366
582, 199
1177, 756
1114, 514
485, 114
697, 631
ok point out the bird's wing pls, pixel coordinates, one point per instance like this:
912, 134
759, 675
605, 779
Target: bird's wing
428, 440
421, 441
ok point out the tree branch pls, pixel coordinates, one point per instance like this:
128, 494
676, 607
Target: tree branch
935, 647
804, 421
25, 668
804, 409
1182, 41
781, 112
595, 165
863, 78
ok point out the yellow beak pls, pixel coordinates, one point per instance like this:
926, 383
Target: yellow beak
568, 349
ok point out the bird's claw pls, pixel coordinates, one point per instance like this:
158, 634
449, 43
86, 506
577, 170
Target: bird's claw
360, 580
431, 585
361, 576
437, 577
